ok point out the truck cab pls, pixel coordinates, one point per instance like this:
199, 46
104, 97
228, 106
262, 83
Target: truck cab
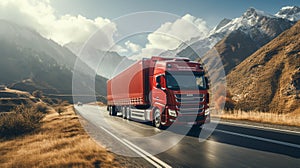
180, 92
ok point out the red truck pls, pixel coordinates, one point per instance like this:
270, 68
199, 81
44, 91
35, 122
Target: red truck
164, 91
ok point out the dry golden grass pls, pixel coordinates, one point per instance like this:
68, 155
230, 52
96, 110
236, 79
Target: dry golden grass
289, 119
61, 142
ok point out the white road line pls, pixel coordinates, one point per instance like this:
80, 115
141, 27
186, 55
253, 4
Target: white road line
254, 126
136, 150
149, 155
260, 138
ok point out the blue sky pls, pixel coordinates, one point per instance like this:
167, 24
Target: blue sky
212, 11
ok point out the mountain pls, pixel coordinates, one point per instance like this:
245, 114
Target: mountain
223, 23
26, 38
250, 32
291, 13
235, 39
105, 63
269, 79
192, 49
29, 62
251, 19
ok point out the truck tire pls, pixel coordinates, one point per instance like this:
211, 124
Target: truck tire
128, 111
157, 118
109, 110
113, 111
124, 112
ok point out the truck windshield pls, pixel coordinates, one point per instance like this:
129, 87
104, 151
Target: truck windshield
185, 81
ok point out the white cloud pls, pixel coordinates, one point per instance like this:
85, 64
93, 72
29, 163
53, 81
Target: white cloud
171, 34
40, 15
78, 28
132, 46
119, 49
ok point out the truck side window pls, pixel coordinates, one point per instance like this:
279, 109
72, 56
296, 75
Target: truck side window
158, 84
163, 81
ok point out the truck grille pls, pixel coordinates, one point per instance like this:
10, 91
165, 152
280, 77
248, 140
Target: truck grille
190, 103
189, 97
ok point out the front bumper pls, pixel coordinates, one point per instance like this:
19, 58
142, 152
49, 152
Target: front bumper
189, 119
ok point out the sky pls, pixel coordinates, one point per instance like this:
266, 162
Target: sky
212, 11
75, 21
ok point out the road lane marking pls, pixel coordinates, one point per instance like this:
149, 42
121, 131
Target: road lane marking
150, 158
149, 155
260, 138
254, 126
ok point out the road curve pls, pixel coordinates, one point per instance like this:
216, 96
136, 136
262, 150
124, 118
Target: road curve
230, 145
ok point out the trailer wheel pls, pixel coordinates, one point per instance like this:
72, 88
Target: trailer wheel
109, 110
128, 113
157, 119
113, 111
124, 112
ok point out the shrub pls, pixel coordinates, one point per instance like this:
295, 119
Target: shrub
64, 103
41, 107
19, 121
59, 110
48, 100
38, 94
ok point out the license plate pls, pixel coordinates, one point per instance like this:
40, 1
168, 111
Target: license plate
191, 123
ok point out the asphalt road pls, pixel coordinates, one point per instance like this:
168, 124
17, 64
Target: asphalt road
229, 145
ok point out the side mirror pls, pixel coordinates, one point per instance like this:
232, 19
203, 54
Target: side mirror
206, 82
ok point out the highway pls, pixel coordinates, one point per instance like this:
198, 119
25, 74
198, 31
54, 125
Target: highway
229, 145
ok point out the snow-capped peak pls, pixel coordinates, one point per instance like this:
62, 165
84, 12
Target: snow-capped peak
291, 13
252, 12
249, 19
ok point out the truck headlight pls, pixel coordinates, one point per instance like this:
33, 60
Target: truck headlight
172, 113
207, 111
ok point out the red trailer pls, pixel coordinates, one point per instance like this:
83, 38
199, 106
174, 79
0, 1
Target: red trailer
162, 90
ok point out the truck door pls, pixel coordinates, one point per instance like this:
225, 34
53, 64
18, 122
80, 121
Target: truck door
159, 98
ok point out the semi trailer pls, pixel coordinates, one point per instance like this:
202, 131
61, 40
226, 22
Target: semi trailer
162, 90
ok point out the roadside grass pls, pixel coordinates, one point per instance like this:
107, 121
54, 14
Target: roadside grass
21, 120
59, 142
288, 119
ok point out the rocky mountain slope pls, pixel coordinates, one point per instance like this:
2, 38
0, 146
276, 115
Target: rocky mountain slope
269, 79
251, 31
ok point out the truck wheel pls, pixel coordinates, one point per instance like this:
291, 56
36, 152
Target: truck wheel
128, 113
109, 110
157, 119
113, 111
124, 112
